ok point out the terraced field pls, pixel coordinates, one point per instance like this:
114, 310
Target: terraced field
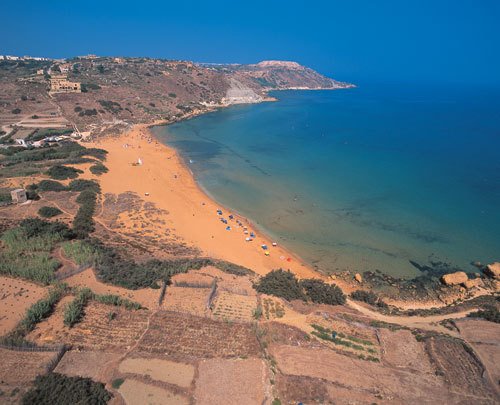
236, 307
178, 334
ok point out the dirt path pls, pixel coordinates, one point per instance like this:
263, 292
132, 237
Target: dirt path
430, 323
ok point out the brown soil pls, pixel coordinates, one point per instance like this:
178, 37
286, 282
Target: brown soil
161, 370
484, 337
16, 296
400, 349
136, 392
180, 335
85, 363
231, 381
461, 370
18, 370
373, 380
229, 306
185, 299
96, 331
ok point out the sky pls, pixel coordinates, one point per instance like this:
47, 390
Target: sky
453, 41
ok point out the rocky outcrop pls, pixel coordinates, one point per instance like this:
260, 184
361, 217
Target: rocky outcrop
456, 278
493, 270
473, 283
358, 278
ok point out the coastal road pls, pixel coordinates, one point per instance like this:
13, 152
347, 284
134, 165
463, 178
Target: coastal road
430, 323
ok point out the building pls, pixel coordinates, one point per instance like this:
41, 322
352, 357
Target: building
61, 84
19, 196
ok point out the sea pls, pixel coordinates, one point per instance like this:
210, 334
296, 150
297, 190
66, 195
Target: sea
387, 177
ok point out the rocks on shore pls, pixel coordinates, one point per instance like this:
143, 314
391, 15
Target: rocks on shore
473, 283
456, 278
358, 278
493, 270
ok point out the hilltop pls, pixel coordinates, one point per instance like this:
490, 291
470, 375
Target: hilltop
110, 93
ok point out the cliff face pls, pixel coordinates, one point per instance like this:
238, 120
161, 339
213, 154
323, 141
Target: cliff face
123, 91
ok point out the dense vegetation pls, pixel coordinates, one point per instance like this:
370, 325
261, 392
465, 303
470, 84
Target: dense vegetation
322, 293
27, 249
98, 169
49, 212
68, 151
490, 313
58, 389
59, 172
83, 224
83, 185
80, 252
284, 284
281, 284
74, 311
113, 268
369, 297
49, 185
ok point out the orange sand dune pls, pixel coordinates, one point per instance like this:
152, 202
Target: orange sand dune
192, 214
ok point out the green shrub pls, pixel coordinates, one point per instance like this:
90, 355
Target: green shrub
87, 112
281, 284
322, 293
117, 301
98, 169
5, 197
34, 314
111, 106
369, 297
117, 383
59, 172
49, 212
42, 308
79, 251
83, 185
54, 388
51, 185
74, 311
83, 223
490, 313
27, 249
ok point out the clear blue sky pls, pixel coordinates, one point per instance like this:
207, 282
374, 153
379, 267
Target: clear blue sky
420, 40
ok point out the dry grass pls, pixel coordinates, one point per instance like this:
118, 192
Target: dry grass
183, 335
161, 370
231, 381
137, 392
229, 306
185, 299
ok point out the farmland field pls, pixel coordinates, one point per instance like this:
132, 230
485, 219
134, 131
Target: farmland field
161, 370
185, 299
230, 306
178, 334
240, 380
85, 363
16, 296
136, 392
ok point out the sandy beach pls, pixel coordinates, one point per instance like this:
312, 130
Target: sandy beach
164, 180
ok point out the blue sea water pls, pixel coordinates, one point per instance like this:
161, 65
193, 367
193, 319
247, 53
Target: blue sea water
367, 178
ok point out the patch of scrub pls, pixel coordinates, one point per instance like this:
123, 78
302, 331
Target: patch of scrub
135, 392
161, 370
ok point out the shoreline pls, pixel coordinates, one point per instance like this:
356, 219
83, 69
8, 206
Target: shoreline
164, 167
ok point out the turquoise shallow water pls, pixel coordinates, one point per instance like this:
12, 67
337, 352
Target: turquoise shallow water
360, 179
